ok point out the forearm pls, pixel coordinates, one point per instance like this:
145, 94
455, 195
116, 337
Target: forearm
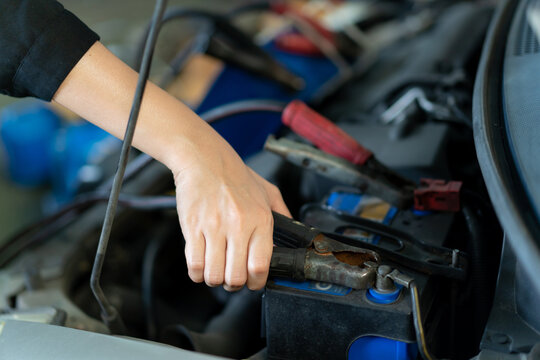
223, 207
100, 88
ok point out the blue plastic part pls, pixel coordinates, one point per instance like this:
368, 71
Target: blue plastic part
315, 286
383, 298
346, 202
421, 212
390, 215
247, 132
26, 129
75, 146
379, 348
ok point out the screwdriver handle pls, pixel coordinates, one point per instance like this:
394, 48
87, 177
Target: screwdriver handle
288, 263
291, 233
323, 133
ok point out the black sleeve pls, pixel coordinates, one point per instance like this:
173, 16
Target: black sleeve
40, 42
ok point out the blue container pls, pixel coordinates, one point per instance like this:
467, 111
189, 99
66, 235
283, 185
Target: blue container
379, 348
26, 130
74, 147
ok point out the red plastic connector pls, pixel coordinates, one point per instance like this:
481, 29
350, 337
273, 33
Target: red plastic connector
437, 195
297, 44
323, 133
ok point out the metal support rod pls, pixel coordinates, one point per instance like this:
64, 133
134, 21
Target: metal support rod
108, 313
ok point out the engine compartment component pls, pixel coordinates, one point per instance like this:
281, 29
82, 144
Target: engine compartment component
364, 274
306, 320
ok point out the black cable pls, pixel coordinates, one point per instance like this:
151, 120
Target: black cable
201, 40
242, 106
135, 166
147, 283
250, 7
54, 223
182, 13
109, 314
199, 44
174, 14
480, 280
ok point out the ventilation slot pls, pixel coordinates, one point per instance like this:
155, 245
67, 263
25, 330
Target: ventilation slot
527, 42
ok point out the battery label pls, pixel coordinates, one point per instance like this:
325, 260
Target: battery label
364, 206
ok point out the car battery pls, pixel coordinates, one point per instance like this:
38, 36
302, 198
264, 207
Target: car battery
314, 320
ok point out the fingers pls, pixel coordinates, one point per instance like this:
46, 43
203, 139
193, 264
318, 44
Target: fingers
260, 253
231, 244
216, 247
236, 262
195, 250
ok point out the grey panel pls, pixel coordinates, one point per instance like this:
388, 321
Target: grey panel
525, 40
522, 103
21, 340
504, 189
419, 154
506, 331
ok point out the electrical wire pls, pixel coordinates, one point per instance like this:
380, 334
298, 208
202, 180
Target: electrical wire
51, 225
242, 106
250, 7
135, 166
418, 327
109, 314
147, 282
182, 13
170, 15
197, 45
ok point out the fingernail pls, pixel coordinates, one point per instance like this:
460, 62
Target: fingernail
232, 288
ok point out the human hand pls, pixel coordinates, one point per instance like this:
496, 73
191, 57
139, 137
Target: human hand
225, 210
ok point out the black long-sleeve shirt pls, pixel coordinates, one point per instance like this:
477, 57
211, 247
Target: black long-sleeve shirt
40, 42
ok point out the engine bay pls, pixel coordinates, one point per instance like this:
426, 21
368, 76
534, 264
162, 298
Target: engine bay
405, 93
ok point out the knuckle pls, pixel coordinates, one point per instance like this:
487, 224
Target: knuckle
236, 279
196, 277
268, 218
212, 223
190, 219
258, 266
195, 264
237, 214
262, 215
274, 190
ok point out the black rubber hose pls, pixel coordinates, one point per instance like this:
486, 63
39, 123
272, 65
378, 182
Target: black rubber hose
133, 169
479, 269
241, 107
250, 7
54, 223
197, 45
147, 283
183, 13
